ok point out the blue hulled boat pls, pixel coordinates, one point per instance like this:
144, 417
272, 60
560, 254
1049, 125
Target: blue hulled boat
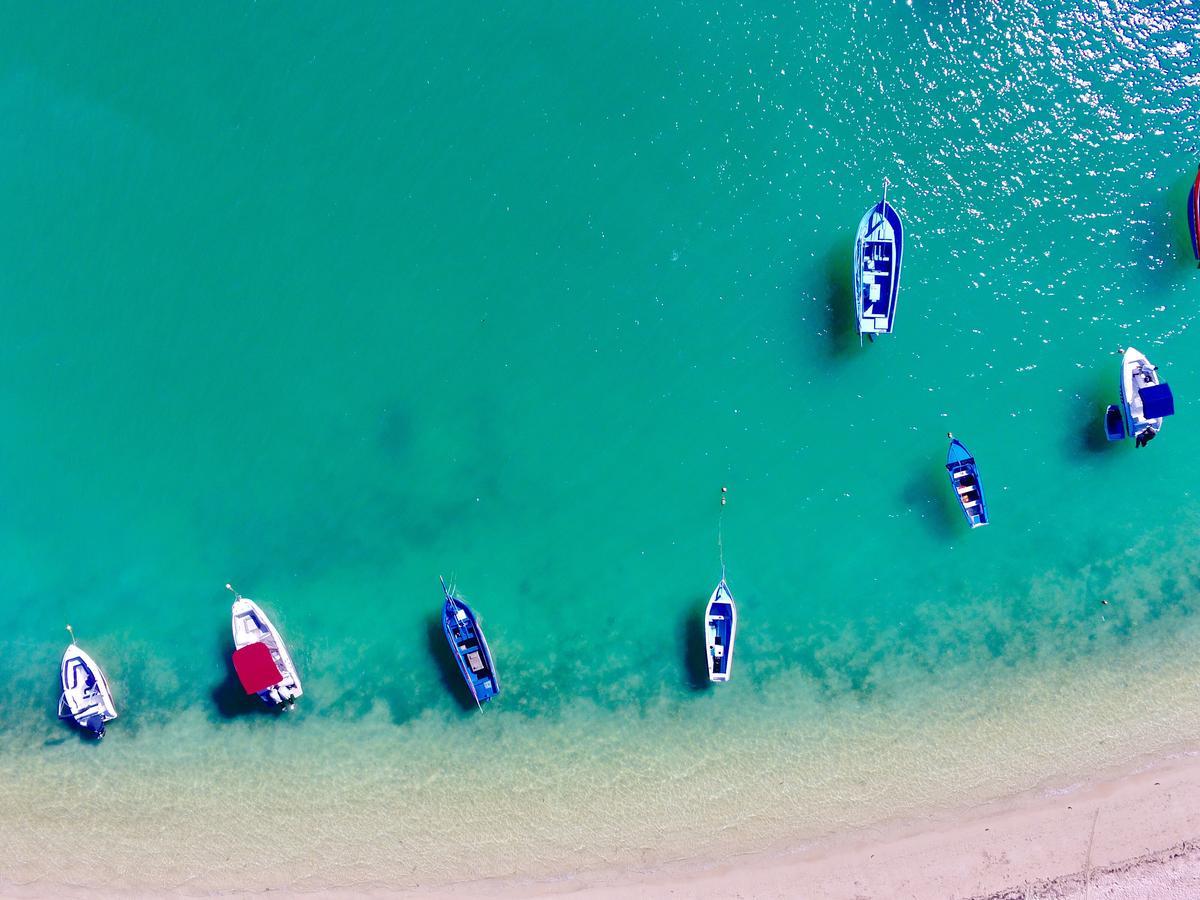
720, 628
470, 648
1114, 423
878, 250
964, 478
1194, 215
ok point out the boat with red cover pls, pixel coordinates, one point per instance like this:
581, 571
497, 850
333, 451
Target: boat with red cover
261, 659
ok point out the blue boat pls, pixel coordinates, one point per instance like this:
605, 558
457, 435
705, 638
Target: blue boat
470, 648
1114, 423
964, 478
878, 251
1194, 215
720, 628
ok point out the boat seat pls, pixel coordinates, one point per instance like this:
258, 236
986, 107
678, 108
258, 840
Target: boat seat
874, 293
960, 473
969, 503
965, 488
475, 662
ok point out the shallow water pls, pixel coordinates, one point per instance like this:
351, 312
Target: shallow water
328, 305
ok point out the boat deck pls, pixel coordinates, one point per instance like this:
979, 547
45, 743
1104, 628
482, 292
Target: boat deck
876, 285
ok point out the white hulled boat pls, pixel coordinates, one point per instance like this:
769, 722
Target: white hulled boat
1144, 398
261, 658
86, 697
720, 629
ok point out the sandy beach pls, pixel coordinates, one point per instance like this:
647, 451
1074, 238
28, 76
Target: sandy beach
1124, 834
1120, 835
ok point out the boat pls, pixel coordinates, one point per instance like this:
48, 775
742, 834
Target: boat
261, 658
1114, 423
964, 478
720, 628
86, 697
1194, 215
470, 647
878, 251
1144, 398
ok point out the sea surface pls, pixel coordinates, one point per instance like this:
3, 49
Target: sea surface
329, 300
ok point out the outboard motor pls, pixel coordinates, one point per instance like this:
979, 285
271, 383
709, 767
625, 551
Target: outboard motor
95, 724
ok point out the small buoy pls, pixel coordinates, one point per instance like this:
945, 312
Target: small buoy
1105, 602
723, 492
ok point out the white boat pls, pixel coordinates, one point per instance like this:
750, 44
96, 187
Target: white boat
86, 697
720, 628
878, 252
1145, 399
261, 658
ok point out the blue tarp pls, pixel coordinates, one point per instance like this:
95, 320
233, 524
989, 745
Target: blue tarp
1157, 401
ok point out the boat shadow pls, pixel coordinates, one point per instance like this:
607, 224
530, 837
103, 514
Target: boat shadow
1091, 435
229, 698
448, 671
81, 735
692, 649
1093, 399
1169, 222
838, 300
928, 493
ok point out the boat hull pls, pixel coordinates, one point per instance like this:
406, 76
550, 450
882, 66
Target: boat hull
720, 630
1194, 215
252, 626
878, 255
470, 648
967, 485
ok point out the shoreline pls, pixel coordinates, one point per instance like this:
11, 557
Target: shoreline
1041, 843
905, 799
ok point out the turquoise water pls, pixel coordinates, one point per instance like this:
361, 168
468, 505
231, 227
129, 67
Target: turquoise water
328, 302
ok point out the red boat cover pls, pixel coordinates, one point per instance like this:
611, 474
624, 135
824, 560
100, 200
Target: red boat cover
256, 668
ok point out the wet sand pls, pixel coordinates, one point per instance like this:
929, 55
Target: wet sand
1128, 835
